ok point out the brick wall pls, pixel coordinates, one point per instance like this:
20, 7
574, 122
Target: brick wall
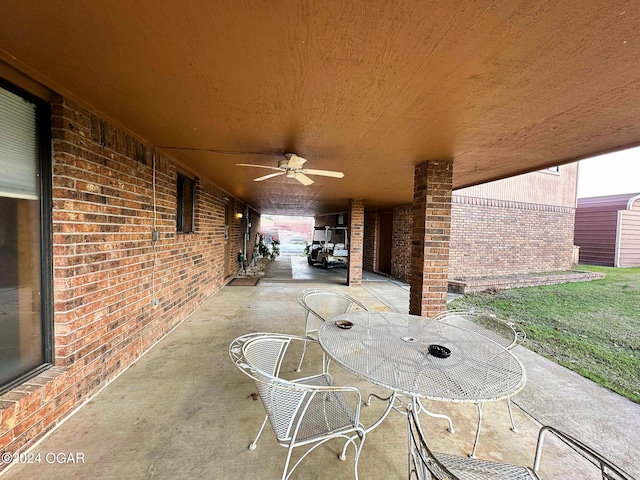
331, 220
401, 245
533, 238
497, 237
107, 270
370, 242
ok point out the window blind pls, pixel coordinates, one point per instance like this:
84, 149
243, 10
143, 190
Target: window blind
18, 147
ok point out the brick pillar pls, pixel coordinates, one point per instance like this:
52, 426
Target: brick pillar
356, 241
433, 184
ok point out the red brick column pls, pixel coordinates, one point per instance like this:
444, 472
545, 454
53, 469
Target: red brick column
356, 242
433, 184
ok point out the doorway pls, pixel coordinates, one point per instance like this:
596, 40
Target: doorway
385, 237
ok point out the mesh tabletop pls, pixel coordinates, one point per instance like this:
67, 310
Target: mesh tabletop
392, 350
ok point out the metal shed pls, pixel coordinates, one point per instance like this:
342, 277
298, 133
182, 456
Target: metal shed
607, 230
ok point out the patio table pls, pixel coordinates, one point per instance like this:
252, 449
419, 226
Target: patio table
392, 350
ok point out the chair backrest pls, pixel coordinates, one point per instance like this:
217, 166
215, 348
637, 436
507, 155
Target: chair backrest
286, 402
265, 354
260, 356
608, 469
423, 464
325, 304
507, 334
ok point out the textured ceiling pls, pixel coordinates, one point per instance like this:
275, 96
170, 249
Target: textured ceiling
371, 88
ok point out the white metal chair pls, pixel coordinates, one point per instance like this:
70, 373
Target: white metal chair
303, 412
320, 305
424, 464
507, 334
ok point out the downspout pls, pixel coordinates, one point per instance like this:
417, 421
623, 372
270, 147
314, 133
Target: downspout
247, 227
616, 260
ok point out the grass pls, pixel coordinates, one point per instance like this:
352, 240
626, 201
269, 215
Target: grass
592, 327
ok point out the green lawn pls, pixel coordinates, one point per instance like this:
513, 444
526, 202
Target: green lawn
592, 327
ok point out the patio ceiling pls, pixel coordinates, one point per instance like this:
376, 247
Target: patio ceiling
371, 88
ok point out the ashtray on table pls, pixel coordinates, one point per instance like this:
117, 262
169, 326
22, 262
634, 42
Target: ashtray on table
439, 351
344, 324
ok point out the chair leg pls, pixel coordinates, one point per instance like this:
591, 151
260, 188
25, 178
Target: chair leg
304, 350
410, 457
415, 466
513, 425
252, 445
306, 332
286, 475
358, 446
360, 434
358, 450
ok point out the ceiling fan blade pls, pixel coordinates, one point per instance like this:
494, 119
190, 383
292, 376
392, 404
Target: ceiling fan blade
302, 178
294, 160
324, 173
271, 175
258, 166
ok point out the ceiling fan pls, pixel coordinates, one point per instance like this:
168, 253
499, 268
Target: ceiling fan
291, 166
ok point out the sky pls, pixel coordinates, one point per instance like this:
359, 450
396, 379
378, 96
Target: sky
610, 174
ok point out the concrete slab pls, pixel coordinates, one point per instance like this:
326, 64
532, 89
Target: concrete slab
303, 272
184, 411
555, 395
394, 295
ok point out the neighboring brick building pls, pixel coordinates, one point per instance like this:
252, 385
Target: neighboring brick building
518, 225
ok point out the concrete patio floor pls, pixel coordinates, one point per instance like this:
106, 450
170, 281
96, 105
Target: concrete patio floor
184, 411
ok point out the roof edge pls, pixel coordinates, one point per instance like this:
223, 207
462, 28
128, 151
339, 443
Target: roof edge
631, 200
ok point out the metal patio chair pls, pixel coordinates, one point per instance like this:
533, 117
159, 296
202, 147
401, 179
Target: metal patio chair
424, 464
507, 334
320, 305
303, 412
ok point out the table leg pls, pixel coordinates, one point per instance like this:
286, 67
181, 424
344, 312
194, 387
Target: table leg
420, 408
435, 415
475, 443
384, 399
513, 425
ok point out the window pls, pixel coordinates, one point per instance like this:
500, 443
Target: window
26, 320
186, 204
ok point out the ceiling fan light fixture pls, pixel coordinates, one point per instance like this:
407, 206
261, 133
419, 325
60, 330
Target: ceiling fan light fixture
283, 163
